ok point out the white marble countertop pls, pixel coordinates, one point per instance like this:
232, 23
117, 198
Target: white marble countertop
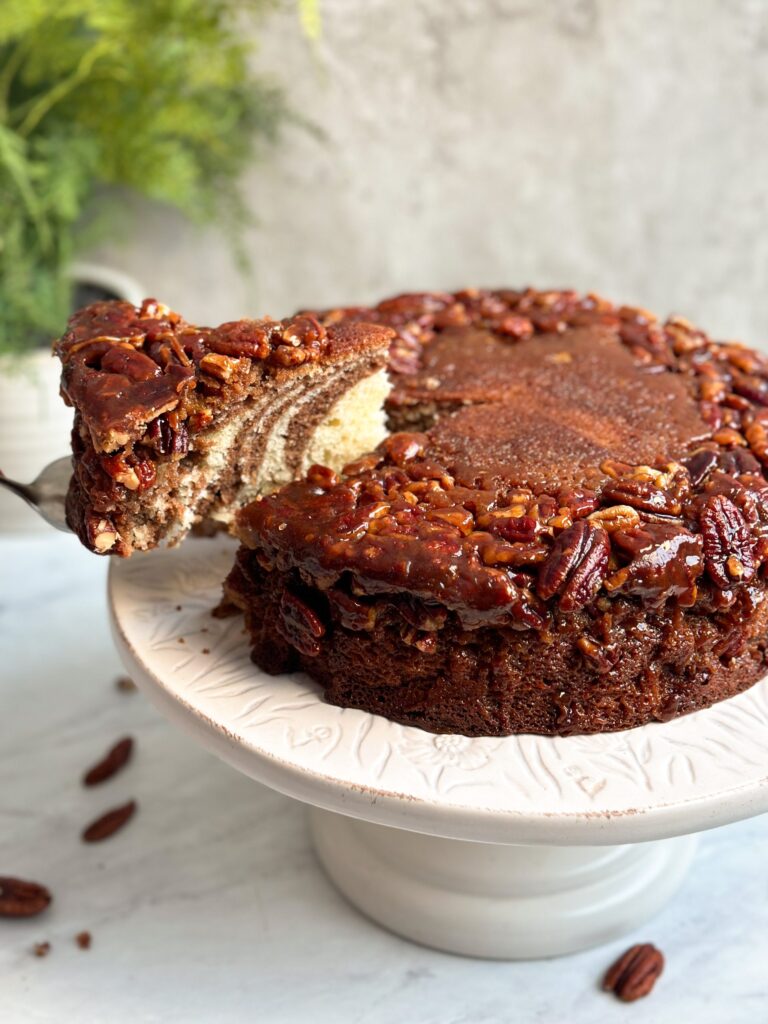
210, 905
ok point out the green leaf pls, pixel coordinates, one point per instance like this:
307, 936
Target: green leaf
156, 96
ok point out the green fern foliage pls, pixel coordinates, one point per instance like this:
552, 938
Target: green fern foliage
154, 95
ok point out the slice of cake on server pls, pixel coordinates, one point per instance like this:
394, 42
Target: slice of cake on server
178, 425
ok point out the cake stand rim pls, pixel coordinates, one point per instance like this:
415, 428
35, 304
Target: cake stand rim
479, 823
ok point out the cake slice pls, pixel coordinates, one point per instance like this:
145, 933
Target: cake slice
178, 425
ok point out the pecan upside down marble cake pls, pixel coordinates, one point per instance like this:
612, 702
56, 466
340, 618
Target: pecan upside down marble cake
177, 425
569, 538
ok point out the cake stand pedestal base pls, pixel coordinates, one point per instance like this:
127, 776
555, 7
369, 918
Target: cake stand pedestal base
503, 902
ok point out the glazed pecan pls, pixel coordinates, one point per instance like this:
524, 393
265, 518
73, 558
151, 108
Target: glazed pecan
699, 464
240, 338
128, 361
576, 566
167, 440
615, 517
400, 449
351, 612
635, 973
756, 434
222, 367
19, 898
665, 562
642, 494
514, 528
299, 624
728, 545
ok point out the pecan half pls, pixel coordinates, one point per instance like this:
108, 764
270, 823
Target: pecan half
635, 973
19, 898
115, 759
699, 464
350, 612
299, 624
666, 561
109, 823
219, 366
576, 567
615, 517
728, 546
166, 439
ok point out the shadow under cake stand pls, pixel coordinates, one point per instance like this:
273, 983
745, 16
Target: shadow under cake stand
519, 847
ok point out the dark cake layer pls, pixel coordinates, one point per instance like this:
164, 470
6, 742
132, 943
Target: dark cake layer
580, 547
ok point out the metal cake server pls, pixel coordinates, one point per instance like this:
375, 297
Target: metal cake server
47, 493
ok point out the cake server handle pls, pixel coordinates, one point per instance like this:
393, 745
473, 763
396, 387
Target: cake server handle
47, 492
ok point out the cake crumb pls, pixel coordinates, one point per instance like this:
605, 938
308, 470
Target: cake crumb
125, 685
206, 650
182, 640
83, 940
41, 948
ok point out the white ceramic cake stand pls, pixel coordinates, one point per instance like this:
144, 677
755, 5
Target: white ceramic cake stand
510, 848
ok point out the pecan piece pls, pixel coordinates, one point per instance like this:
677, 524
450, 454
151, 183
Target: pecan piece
109, 823
299, 624
757, 436
115, 759
635, 973
641, 494
166, 439
126, 360
222, 367
514, 528
699, 464
19, 898
401, 448
350, 612
576, 567
102, 535
728, 546
665, 561
238, 338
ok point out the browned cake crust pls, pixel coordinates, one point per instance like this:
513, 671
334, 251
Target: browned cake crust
578, 547
158, 401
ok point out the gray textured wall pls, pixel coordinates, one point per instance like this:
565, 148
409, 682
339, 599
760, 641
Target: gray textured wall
615, 145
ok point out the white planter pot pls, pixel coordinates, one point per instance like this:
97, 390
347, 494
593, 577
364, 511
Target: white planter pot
34, 422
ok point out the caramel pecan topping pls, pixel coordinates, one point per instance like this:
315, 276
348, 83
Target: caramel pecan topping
126, 368
635, 973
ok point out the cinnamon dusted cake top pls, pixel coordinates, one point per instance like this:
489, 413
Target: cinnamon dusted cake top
123, 367
595, 451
